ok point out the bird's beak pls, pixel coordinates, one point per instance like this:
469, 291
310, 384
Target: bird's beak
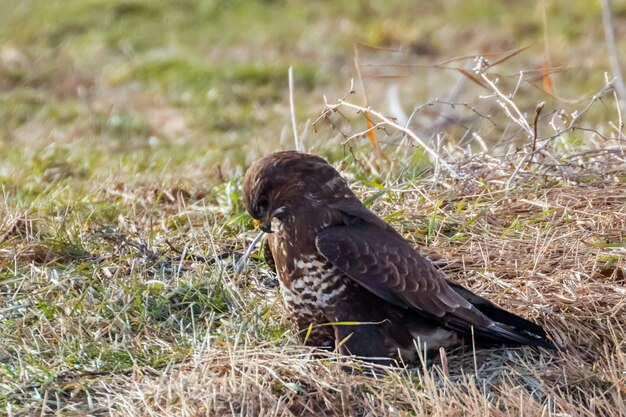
266, 223
265, 226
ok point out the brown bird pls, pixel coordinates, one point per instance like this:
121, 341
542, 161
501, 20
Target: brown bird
350, 280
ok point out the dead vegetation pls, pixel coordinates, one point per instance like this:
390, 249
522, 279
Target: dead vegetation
554, 254
546, 242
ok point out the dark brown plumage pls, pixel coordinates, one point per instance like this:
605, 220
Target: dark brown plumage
338, 262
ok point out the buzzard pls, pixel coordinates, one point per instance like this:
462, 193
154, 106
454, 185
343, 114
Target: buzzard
350, 280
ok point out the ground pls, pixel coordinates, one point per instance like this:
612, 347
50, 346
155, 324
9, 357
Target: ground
125, 130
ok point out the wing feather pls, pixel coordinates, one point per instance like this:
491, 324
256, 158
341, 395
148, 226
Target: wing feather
397, 272
380, 260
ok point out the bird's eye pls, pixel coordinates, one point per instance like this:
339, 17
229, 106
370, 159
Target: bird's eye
261, 207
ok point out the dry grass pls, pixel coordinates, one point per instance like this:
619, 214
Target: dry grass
553, 254
547, 248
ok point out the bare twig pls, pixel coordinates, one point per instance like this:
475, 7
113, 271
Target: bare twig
393, 124
538, 111
371, 132
292, 108
509, 106
608, 87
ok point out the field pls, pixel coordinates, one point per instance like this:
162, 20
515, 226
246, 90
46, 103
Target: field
488, 133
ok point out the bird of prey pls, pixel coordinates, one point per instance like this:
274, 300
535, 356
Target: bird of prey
351, 281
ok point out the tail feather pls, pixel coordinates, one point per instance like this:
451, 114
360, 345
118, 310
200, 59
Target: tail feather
508, 326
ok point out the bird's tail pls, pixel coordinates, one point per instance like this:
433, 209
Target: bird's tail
507, 325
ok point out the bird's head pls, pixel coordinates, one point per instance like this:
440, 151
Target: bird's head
289, 184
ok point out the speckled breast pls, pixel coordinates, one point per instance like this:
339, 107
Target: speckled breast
311, 292
311, 286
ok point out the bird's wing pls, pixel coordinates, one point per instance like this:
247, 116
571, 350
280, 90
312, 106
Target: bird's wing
384, 263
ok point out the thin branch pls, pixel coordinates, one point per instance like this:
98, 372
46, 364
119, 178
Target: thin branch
292, 109
402, 129
508, 106
538, 110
